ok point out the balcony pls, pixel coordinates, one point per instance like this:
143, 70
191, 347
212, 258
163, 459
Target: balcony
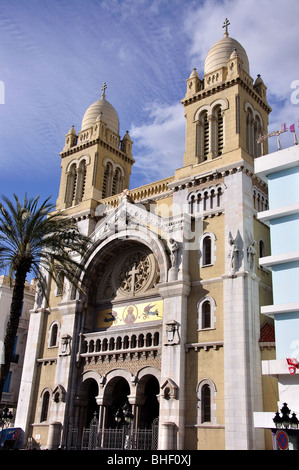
120, 345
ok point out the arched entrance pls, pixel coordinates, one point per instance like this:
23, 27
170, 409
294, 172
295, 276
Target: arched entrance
100, 429
147, 392
116, 394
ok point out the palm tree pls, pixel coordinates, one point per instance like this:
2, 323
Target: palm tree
35, 238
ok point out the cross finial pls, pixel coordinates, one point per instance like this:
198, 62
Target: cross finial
225, 25
104, 89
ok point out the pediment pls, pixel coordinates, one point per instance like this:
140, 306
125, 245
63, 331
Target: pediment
126, 215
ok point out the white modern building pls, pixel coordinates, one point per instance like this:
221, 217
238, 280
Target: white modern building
12, 385
280, 170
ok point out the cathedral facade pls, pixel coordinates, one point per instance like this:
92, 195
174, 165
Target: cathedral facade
169, 324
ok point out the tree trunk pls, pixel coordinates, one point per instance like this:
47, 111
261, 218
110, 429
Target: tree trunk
13, 323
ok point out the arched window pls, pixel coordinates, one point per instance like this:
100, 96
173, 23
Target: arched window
45, 406
207, 251
53, 335
71, 185
206, 308
76, 182
206, 404
219, 140
117, 182
206, 314
206, 393
249, 131
107, 181
254, 129
202, 137
217, 134
81, 181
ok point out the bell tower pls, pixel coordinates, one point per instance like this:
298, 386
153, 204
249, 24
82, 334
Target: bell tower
226, 111
95, 163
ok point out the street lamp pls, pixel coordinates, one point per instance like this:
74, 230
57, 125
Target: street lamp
294, 421
128, 416
124, 417
284, 421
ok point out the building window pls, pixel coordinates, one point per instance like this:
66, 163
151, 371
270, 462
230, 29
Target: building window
206, 315
202, 137
206, 404
117, 185
53, 335
45, 406
207, 251
206, 200
217, 132
81, 181
76, 182
254, 129
206, 308
207, 248
107, 181
206, 394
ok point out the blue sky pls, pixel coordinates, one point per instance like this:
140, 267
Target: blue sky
55, 56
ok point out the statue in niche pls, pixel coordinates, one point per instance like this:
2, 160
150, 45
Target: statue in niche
174, 253
251, 254
233, 254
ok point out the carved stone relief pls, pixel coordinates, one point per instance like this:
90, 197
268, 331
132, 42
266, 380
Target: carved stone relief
134, 272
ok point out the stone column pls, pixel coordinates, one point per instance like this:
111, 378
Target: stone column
28, 381
54, 435
172, 405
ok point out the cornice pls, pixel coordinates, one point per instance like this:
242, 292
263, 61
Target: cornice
91, 143
202, 94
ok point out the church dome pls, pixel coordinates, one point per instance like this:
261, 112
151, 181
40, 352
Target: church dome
103, 109
221, 52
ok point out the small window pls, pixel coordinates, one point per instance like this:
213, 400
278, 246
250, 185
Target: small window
206, 404
206, 395
207, 251
53, 335
206, 315
206, 308
207, 247
45, 406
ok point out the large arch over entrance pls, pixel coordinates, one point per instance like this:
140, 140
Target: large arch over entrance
107, 248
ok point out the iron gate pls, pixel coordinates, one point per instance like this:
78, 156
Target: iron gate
94, 438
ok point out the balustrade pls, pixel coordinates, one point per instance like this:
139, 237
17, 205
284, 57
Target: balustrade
113, 345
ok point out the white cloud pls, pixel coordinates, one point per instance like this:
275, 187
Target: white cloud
159, 145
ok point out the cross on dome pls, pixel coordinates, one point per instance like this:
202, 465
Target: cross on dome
104, 86
225, 25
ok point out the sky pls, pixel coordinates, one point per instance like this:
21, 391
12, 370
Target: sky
56, 54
